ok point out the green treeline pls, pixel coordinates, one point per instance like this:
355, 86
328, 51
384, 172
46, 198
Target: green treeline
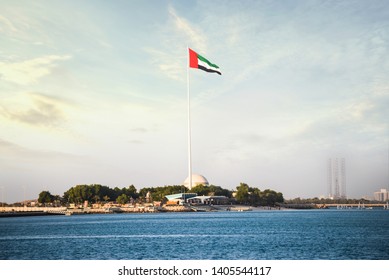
97, 194
256, 197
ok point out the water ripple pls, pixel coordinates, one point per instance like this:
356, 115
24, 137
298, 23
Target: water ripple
300, 235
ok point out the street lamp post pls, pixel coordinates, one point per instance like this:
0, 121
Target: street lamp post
2, 197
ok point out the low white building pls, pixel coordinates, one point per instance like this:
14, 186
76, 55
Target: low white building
210, 200
382, 195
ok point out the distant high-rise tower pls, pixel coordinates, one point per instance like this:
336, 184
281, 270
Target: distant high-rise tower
336, 178
329, 178
343, 193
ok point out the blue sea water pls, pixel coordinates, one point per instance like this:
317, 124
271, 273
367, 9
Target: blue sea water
273, 235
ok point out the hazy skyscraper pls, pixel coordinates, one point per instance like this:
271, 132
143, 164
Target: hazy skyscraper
336, 178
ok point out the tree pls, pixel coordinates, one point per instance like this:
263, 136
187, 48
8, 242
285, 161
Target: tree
130, 191
57, 200
200, 190
216, 190
90, 193
271, 197
86, 193
254, 196
45, 197
242, 193
122, 199
159, 193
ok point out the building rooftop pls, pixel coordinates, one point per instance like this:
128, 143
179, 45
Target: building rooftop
180, 196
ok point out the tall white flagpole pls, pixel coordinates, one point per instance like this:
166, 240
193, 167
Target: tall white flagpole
189, 126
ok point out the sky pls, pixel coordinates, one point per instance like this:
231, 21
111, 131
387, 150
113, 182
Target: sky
95, 92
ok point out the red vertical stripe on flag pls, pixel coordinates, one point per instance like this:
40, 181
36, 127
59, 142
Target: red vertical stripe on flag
193, 61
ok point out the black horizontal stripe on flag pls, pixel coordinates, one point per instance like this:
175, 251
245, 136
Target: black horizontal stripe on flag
209, 70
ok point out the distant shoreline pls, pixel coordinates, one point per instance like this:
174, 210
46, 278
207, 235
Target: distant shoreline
8, 212
50, 211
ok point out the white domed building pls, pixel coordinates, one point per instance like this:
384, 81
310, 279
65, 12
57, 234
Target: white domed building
197, 179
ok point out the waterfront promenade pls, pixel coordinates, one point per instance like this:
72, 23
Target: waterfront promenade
150, 208
109, 209
353, 206
38, 211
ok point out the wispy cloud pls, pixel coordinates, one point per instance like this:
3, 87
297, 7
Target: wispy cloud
6, 26
29, 71
176, 34
187, 31
17, 26
35, 109
167, 62
139, 130
135, 141
18, 152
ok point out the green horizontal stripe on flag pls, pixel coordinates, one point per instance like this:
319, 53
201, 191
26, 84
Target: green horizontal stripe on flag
206, 61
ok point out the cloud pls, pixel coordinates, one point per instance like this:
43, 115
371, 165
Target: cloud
136, 141
29, 71
11, 151
168, 63
37, 109
358, 110
139, 130
188, 31
6, 26
170, 57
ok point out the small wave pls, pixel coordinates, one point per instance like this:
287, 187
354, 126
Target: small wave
36, 237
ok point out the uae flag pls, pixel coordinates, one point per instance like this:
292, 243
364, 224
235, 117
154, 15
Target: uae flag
200, 62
